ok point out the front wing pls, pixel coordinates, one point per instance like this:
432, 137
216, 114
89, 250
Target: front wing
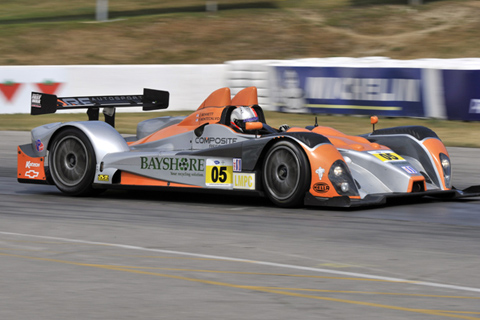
381, 199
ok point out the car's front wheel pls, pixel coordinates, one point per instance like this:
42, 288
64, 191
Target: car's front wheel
72, 162
286, 174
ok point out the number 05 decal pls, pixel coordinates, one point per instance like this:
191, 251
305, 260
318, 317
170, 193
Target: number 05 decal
387, 156
219, 173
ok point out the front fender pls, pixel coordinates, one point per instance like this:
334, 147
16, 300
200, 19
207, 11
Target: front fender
419, 143
253, 151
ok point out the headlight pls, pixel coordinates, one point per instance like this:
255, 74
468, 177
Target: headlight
447, 170
342, 180
445, 163
338, 171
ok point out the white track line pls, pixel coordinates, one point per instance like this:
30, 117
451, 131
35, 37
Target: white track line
272, 264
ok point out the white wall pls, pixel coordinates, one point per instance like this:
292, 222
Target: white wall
188, 85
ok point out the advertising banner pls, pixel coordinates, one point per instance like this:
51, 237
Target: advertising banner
462, 94
188, 85
17, 84
346, 90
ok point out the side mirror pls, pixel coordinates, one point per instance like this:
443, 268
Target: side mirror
199, 131
373, 121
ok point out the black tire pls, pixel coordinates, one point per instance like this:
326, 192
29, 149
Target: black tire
286, 174
72, 162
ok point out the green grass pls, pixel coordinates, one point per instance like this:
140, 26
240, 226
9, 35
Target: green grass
452, 133
24, 11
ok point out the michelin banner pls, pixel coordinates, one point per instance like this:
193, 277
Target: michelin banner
344, 90
462, 94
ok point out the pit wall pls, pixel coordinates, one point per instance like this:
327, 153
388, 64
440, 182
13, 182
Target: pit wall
432, 88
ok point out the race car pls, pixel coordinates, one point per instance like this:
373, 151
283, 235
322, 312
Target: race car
226, 145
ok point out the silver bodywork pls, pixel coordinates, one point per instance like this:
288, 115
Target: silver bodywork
175, 158
317, 165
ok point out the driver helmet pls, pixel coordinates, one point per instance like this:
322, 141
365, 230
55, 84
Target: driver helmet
242, 115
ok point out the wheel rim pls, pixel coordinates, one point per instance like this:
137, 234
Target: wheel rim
70, 161
282, 173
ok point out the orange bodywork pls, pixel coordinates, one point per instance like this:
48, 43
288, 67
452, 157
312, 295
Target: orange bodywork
132, 179
322, 158
32, 168
210, 111
416, 179
343, 141
435, 147
246, 97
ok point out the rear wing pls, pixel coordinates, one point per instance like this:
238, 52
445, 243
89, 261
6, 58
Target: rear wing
43, 103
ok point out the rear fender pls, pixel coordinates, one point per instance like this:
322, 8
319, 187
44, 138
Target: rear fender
103, 137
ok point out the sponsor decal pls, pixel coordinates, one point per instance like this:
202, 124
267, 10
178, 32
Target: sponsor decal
368, 89
9, 88
387, 156
103, 177
219, 173
320, 171
321, 187
244, 181
36, 100
32, 174
215, 141
207, 116
348, 90
237, 165
176, 166
172, 164
30, 164
474, 106
39, 145
410, 170
48, 86
87, 100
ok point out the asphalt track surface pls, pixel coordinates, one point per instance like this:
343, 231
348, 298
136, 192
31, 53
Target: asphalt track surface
174, 256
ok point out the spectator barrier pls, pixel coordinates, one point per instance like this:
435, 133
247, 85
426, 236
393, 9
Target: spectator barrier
433, 88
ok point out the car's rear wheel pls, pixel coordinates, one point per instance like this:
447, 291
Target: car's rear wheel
72, 162
286, 174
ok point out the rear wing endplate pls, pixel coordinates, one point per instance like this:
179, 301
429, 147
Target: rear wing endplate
43, 103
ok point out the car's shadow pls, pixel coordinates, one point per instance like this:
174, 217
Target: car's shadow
246, 200
204, 198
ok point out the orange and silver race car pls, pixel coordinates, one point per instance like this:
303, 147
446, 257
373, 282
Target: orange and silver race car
226, 145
